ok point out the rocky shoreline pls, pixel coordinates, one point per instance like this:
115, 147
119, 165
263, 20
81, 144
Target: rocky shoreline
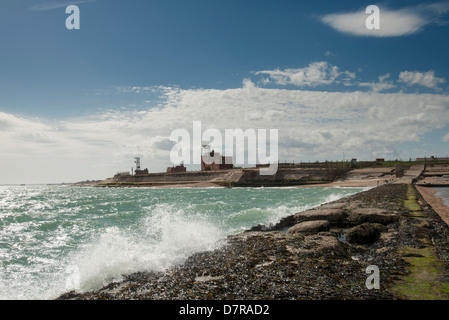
322, 253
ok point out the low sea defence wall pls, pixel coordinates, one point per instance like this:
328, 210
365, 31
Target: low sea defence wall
296, 176
157, 179
230, 178
174, 177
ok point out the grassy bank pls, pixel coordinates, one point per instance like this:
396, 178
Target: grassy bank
427, 277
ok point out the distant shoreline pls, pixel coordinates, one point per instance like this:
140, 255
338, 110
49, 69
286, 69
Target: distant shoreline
362, 183
434, 175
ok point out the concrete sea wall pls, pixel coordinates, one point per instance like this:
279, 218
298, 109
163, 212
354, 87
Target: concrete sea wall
234, 177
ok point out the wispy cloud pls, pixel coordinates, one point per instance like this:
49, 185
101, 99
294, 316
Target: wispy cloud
381, 85
55, 5
446, 137
319, 74
426, 79
312, 125
393, 22
316, 73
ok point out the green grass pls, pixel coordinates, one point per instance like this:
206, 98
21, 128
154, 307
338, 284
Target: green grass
422, 283
410, 202
425, 267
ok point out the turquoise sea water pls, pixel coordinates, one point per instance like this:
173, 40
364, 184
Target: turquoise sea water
56, 238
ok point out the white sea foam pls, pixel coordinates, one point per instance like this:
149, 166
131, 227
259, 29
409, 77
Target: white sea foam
165, 238
332, 197
103, 234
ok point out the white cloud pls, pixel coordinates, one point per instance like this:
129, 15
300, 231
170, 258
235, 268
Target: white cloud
316, 73
381, 85
55, 5
446, 137
426, 79
323, 73
30, 133
393, 23
312, 125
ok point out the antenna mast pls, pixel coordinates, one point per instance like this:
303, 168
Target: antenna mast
137, 162
206, 148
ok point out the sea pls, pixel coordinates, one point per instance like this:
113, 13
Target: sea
56, 238
443, 193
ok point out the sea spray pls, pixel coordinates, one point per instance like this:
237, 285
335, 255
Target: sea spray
164, 238
52, 234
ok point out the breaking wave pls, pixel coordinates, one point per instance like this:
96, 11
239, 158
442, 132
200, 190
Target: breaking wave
55, 239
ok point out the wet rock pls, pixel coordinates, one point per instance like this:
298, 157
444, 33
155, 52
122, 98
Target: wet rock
310, 227
283, 224
323, 245
333, 216
365, 233
355, 205
372, 215
340, 204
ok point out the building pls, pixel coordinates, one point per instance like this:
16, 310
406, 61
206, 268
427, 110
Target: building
140, 172
177, 169
121, 174
433, 159
212, 161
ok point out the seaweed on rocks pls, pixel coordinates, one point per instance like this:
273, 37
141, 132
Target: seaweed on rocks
267, 262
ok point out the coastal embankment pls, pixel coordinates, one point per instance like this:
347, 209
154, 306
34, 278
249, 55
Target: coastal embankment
431, 198
243, 177
323, 253
251, 177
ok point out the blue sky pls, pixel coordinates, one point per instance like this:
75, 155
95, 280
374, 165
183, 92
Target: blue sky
92, 99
